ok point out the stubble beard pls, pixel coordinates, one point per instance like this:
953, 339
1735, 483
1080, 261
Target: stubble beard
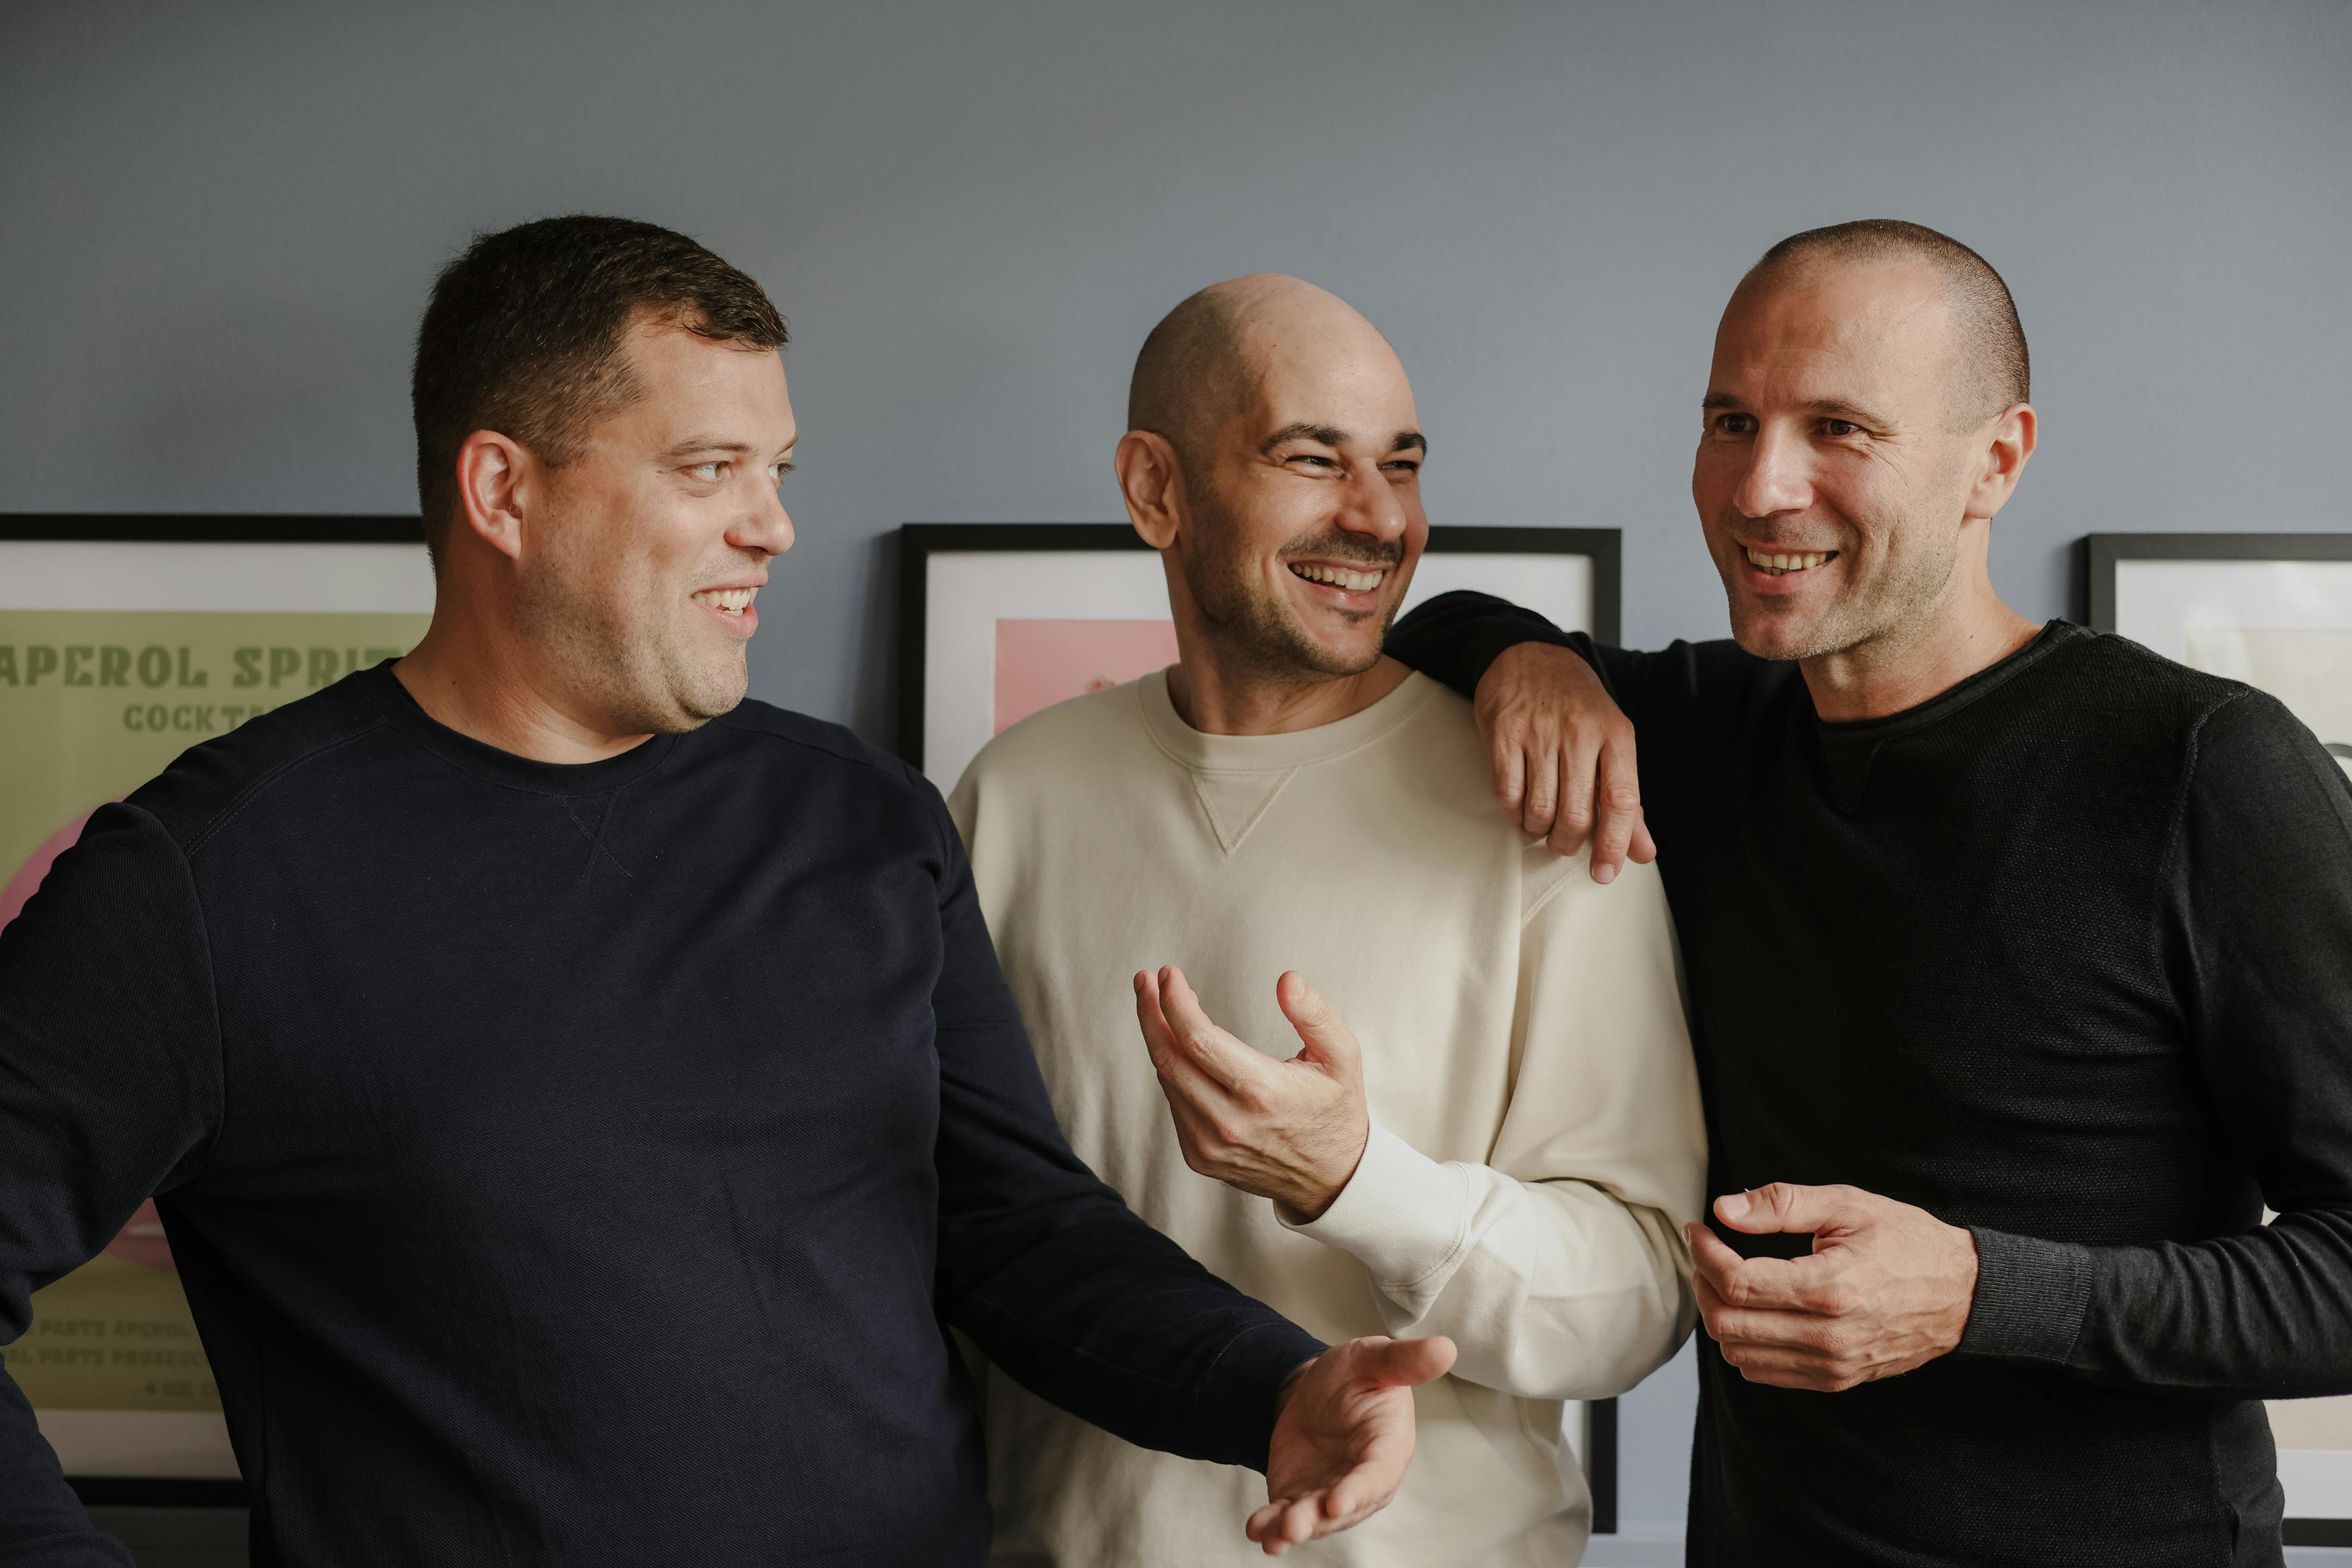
1259, 636
640, 680
1892, 611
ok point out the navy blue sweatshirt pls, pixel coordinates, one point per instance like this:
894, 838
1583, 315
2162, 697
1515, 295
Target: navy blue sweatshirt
576, 1165
2064, 956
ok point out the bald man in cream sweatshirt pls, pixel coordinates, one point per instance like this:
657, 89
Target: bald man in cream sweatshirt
1471, 1110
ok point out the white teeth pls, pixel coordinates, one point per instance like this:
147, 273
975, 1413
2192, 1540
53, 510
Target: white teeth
1776, 563
728, 601
1340, 578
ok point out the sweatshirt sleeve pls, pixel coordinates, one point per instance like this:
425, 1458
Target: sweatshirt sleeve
2254, 925
110, 1090
1558, 1267
1045, 1267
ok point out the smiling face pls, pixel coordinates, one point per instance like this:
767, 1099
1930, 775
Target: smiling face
1834, 472
637, 582
1302, 513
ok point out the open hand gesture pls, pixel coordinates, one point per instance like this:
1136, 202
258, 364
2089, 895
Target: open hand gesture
1343, 1438
1291, 1131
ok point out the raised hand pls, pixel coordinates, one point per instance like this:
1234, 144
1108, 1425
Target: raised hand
1887, 1289
1343, 1437
1291, 1131
1563, 756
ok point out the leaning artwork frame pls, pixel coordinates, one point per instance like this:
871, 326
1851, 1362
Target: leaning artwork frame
2273, 611
123, 641
999, 619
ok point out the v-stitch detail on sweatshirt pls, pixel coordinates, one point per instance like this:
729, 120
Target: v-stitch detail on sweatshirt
1235, 802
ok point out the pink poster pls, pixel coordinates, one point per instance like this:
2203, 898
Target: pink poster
1041, 663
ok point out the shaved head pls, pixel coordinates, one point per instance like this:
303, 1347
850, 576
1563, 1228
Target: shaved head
1990, 369
1204, 362
1273, 455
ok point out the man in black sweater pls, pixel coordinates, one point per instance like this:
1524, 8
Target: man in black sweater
580, 1104
2019, 968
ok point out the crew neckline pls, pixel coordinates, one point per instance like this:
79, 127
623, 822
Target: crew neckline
1195, 748
389, 699
2054, 633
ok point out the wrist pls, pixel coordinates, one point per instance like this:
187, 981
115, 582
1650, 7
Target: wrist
1314, 1197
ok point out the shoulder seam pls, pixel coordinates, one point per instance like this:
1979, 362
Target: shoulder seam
728, 722
205, 835
219, 1121
2172, 848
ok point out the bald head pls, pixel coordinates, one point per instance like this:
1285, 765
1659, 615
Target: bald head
1207, 358
1990, 369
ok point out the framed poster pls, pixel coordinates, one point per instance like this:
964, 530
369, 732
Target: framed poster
123, 641
2273, 611
999, 620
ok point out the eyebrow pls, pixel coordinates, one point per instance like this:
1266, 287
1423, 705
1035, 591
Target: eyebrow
1834, 408
699, 444
1333, 435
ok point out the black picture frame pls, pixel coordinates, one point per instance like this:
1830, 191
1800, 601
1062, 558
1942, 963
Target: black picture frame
210, 528
2102, 554
917, 542
87, 527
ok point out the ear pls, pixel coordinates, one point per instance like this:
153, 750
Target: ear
2001, 460
493, 472
1153, 483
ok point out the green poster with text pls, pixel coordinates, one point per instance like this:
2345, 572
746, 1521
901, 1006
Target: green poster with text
92, 705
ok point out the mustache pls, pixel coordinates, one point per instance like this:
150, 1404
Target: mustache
1351, 549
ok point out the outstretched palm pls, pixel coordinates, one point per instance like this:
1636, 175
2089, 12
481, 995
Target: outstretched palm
1343, 1437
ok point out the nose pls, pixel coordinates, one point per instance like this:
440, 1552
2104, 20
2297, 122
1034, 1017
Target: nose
765, 527
1776, 479
1371, 506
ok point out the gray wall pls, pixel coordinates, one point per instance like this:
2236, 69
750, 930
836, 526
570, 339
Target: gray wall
217, 226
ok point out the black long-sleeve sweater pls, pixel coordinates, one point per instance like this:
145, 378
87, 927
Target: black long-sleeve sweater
2063, 956
576, 1165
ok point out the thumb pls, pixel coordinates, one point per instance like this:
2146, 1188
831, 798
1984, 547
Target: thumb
1317, 1023
1403, 1362
1786, 1206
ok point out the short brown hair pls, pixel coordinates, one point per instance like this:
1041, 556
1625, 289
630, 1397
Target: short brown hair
1992, 340
524, 330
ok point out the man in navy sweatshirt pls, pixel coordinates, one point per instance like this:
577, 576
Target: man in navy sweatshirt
581, 1100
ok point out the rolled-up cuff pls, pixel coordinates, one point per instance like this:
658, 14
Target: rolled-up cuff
2030, 1300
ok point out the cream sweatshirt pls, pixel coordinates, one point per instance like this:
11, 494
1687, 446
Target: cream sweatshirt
1534, 1146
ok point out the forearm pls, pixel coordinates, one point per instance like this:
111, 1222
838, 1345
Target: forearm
2267, 1315
1456, 636
1551, 1290
1110, 1321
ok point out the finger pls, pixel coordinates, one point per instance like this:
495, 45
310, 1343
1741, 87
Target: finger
1737, 1281
1787, 1207
1784, 1369
1403, 1362
1579, 761
1715, 1261
1644, 849
1796, 1334
1234, 1066
1158, 1039
1536, 816
1617, 803
1510, 774
1317, 1021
